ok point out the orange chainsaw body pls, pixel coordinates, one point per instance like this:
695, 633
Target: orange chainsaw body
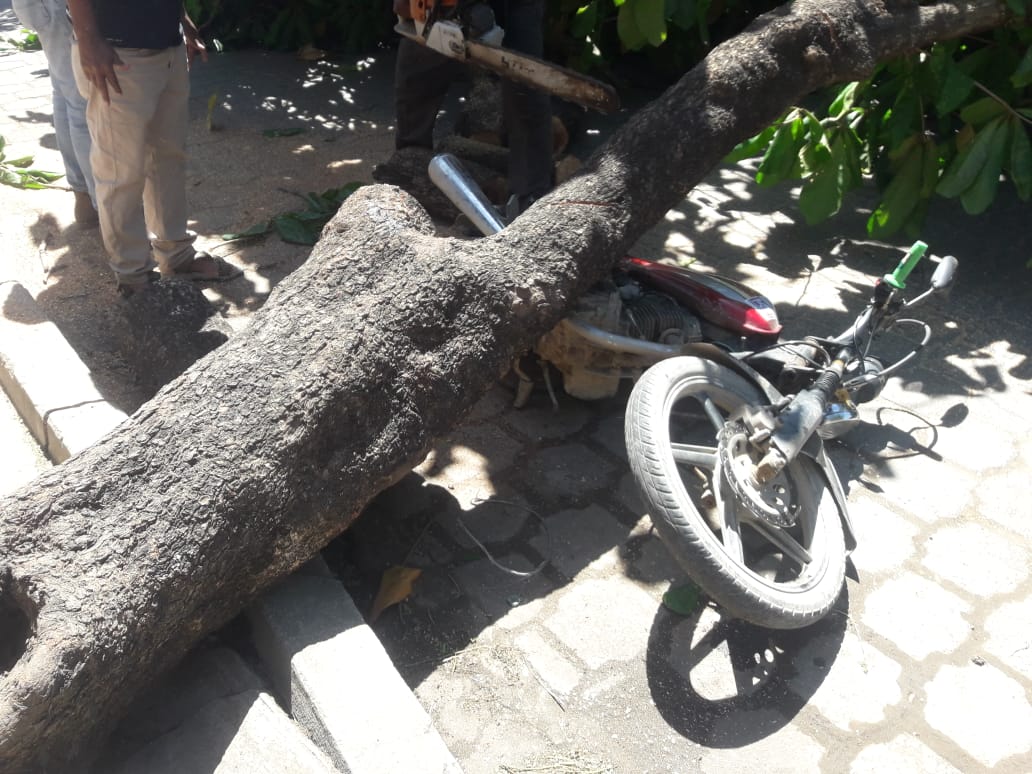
422, 9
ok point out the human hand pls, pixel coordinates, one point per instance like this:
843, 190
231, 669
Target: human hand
194, 42
99, 61
403, 9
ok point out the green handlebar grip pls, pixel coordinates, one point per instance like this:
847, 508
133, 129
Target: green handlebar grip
898, 278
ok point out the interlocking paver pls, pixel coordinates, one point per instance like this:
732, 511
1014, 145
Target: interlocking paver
959, 553
577, 537
789, 751
567, 472
904, 753
1000, 725
701, 654
1010, 635
850, 681
902, 483
917, 615
552, 667
886, 539
603, 620
1001, 498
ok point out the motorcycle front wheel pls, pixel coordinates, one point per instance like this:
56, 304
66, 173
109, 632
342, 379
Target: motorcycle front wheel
777, 577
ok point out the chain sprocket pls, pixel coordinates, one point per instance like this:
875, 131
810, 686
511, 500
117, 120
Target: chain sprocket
771, 502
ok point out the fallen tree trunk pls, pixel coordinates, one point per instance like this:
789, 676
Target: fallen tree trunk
114, 564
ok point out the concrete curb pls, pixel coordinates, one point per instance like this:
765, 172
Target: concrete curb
342, 686
49, 385
212, 714
328, 667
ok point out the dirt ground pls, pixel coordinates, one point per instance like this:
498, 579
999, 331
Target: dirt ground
238, 176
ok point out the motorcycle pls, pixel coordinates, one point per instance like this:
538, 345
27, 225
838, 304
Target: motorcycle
726, 423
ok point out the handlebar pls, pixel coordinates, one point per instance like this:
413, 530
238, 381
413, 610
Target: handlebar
898, 278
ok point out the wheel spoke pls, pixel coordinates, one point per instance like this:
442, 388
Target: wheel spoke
694, 454
715, 417
730, 533
781, 539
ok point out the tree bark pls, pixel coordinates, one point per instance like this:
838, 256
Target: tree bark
115, 563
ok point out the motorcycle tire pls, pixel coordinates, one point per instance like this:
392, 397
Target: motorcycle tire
767, 583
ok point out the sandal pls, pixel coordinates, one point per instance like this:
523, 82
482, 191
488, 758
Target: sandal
224, 269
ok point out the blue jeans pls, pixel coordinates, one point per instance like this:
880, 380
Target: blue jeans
48, 19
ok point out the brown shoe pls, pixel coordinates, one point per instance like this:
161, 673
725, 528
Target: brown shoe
85, 212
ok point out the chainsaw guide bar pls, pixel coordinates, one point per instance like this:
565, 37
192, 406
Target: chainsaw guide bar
447, 38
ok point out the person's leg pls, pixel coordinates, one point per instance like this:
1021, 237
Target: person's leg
527, 113
48, 19
165, 190
421, 81
119, 159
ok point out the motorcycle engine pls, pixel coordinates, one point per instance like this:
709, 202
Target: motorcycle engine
626, 309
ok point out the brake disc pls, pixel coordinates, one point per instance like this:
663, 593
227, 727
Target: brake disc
771, 502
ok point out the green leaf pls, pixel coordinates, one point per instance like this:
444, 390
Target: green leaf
782, 156
43, 177
814, 151
650, 16
751, 147
1020, 165
852, 150
1023, 75
931, 169
627, 27
982, 111
288, 132
844, 101
23, 162
980, 194
905, 117
683, 600
702, 8
293, 229
955, 88
682, 13
821, 196
966, 167
256, 230
583, 23
1018, 6
900, 197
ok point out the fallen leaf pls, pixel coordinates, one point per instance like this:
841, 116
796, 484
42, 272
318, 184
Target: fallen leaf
683, 600
395, 587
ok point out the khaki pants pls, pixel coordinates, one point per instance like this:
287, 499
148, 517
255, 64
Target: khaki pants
139, 161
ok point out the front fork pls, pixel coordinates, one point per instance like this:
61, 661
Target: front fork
797, 423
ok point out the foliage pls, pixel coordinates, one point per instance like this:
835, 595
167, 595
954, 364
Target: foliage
671, 35
951, 121
301, 227
18, 172
336, 25
24, 40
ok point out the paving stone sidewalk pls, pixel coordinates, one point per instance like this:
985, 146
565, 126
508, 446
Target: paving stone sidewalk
925, 666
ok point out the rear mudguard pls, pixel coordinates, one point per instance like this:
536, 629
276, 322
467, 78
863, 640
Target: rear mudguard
814, 448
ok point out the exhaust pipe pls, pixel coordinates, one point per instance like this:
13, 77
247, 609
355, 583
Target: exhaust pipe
448, 174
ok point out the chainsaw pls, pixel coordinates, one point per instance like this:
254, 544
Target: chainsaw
467, 31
